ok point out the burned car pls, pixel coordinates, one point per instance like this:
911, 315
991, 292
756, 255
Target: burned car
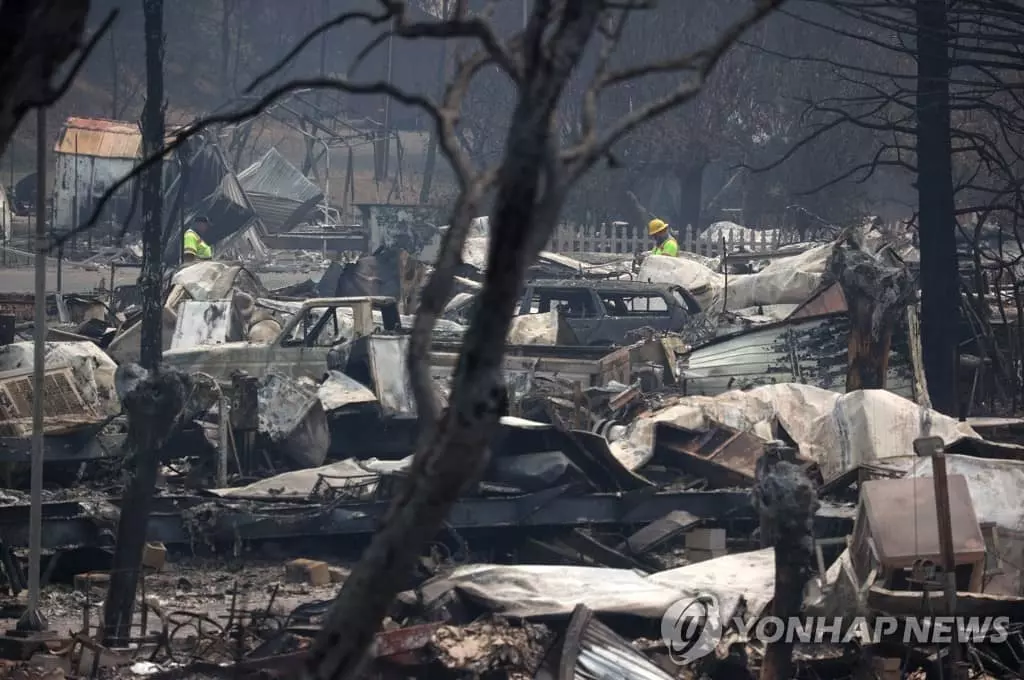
302, 347
604, 312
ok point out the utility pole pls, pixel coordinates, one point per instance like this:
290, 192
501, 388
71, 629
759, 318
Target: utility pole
933, 447
152, 407
526, 12
33, 619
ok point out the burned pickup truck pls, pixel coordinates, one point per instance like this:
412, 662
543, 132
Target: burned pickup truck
302, 346
602, 313
363, 336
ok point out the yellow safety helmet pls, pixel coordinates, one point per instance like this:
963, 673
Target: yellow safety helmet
656, 226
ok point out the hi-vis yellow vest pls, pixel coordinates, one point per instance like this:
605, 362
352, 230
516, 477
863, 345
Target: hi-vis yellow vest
194, 245
669, 247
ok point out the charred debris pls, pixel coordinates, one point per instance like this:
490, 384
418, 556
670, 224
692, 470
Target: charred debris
739, 428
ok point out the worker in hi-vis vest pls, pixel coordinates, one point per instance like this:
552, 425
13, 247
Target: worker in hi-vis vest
664, 244
194, 247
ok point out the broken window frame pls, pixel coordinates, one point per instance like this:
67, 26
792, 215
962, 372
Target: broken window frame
685, 299
541, 299
313, 330
628, 301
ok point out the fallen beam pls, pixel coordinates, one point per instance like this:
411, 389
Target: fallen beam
89, 524
78, 524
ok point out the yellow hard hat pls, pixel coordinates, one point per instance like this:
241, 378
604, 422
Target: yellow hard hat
656, 226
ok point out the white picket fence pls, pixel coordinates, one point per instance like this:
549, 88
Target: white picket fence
622, 237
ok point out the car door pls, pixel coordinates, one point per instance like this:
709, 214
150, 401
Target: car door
615, 321
586, 324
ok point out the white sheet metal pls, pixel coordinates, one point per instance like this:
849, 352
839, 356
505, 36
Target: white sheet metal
300, 483
996, 486
340, 390
388, 363
204, 323
873, 425
291, 415
840, 432
543, 590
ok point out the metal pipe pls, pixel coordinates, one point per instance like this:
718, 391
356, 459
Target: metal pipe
223, 442
32, 616
327, 179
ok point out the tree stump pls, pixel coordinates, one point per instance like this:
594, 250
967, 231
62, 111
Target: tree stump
877, 295
786, 500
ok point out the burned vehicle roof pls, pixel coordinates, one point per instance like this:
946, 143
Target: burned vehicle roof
616, 285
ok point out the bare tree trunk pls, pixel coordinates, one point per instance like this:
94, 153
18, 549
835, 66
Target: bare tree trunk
115, 81
153, 407
529, 196
754, 194
940, 290
428, 168
691, 196
151, 279
431, 160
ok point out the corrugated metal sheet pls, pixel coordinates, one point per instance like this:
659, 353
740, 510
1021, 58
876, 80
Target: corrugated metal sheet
280, 194
593, 651
811, 351
605, 656
99, 137
274, 175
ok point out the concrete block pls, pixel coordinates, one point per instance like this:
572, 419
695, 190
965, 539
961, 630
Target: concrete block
706, 539
313, 572
154, 556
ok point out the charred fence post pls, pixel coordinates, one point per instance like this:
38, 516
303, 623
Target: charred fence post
877, 295
786, 501
153, 403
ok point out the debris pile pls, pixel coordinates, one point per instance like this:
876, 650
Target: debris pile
683, 447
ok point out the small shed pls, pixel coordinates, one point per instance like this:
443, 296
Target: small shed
92, 154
